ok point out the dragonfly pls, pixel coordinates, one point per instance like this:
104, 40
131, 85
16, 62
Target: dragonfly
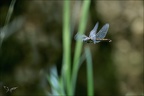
9, 89
93, 36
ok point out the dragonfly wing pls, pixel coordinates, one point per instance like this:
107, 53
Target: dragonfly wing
103, 31
92, 34
80, 37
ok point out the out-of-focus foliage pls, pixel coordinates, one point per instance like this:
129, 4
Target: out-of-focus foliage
27, 55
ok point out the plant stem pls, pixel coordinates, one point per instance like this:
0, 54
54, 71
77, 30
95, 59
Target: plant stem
89, 72
9, 14
66, 70
78, 48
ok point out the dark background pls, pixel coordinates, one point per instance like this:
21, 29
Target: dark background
27, 55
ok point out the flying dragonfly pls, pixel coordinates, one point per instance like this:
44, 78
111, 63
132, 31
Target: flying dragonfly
93, 36
9, 89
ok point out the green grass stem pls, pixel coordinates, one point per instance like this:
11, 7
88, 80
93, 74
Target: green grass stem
78, 48
89, 72
66, 70
9, 14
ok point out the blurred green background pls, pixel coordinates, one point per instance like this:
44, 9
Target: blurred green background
33, 45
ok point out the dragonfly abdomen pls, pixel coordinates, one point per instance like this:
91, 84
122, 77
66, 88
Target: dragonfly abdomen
105, 40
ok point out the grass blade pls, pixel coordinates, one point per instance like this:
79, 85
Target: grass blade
78, 47
9, 14
10, 11
89, 72
66, 70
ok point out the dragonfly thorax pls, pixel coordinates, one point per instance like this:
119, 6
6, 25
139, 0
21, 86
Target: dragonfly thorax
87, 40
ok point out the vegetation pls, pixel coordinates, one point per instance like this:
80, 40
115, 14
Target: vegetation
68, 76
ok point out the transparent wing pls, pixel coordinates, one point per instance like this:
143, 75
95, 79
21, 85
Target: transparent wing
92, 34
80, 37
103, 31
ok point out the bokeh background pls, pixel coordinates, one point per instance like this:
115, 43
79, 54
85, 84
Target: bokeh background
33, 44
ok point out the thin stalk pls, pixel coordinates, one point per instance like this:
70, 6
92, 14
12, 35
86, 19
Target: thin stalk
89, 72
9, 14
66, 71
78, 48
10, 11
